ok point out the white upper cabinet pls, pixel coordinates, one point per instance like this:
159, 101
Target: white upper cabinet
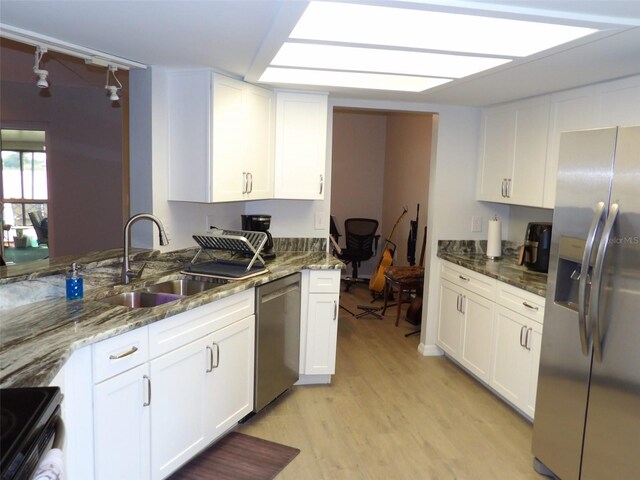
570, 110
301, 145
221, 134
513, 152
619, 103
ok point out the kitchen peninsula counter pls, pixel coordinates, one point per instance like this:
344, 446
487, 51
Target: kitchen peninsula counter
37, 339
469, 254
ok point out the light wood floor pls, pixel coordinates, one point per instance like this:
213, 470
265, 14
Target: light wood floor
392, 413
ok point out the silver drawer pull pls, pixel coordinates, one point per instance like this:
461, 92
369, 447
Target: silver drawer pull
466, 279
131, 351
148, 381
530, 306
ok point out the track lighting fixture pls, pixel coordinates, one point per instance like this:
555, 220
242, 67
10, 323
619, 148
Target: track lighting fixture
42, 74
113, 89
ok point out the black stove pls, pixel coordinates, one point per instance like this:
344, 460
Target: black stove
28, 419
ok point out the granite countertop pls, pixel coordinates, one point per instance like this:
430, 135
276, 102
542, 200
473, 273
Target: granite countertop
37, 339
505, 269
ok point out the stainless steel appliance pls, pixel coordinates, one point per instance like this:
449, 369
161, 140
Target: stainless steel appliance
537, 245
260, 223
277, 338
587, 418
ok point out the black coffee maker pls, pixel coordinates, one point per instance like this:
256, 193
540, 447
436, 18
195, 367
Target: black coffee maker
260, 223
537, 246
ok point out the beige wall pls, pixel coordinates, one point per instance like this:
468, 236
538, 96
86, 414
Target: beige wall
84, 148
406, 178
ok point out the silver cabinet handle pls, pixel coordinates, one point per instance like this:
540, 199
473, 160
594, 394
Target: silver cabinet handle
148, 382
585, 334
508, 189
596, 285
504, 188
522, 329
335, 310
321, 184
217, 364
530, 306
131, 351
458, 302
461, 277
210, 350
250, 188
244, 182
462, 300
527, 338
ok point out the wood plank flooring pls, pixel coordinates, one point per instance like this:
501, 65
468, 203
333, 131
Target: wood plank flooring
391, 413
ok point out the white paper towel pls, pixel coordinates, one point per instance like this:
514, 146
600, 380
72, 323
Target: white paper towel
494, 239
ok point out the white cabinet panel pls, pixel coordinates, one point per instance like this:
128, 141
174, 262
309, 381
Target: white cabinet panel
477, 335
496, 158
179, 404
322, 334
229, 392
450, 318
301, 145
619, 103
121, 422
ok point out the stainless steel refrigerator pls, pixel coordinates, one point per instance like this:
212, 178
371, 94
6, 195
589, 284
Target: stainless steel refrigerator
587, 418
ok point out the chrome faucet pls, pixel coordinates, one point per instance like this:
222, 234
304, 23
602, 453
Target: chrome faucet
127, 273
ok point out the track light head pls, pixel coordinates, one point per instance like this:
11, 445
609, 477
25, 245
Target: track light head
42, 74
113, 92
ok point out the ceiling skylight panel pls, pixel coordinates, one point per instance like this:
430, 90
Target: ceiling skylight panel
371, 81
421, 29
335, 57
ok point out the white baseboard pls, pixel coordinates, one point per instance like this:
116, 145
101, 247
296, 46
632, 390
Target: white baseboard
430, 350
313, 380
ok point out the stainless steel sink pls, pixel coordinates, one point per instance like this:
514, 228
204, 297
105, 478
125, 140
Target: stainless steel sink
141, 299
182, 287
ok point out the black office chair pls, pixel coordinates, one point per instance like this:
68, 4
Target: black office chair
361, 245
41, 226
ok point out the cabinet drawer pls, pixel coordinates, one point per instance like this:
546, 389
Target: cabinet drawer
174, 332
472, 281
521, 301
118, 354
324, 281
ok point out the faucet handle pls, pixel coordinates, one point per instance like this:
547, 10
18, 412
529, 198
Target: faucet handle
139, 274
131, 274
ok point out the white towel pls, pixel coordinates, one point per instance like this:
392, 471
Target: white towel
51, 467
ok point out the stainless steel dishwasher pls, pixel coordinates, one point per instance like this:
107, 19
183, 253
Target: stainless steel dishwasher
277, 338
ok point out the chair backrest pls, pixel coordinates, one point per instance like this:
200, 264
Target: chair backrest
360, 234
41, 233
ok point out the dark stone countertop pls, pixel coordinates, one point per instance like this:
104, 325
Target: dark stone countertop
505, 269
37, 339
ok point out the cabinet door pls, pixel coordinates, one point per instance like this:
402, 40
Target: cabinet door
496, 156
229, 391
179, 406
526, 184
260, 124
534, 343
301, 144
477, 334
229, 140
322, 334
512, 360
572, 110
618, 102
450, 318
121, 423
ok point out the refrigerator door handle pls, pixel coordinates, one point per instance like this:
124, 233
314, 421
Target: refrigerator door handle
596, 285
585, 334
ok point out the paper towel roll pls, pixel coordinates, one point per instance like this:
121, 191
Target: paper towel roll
494, 239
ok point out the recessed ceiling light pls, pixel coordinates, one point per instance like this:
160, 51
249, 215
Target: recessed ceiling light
371, 81
335, 57
421, 29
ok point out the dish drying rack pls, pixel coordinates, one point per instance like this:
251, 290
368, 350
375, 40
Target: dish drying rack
244, 242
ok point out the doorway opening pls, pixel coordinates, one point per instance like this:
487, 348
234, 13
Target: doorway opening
25, 199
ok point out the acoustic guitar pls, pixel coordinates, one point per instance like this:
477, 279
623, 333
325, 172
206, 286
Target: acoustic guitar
376, 284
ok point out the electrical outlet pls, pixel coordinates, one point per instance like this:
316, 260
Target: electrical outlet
476, 223
319, 221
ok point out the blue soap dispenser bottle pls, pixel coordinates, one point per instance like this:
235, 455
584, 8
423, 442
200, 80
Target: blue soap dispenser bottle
74, 283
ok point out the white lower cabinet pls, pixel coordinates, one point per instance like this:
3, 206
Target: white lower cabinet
121, 423
163, 393
319, 325
494, 331
516, 359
